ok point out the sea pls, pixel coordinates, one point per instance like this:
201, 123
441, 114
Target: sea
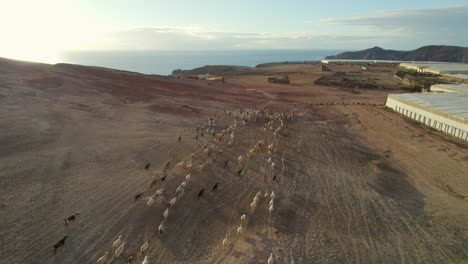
164, 62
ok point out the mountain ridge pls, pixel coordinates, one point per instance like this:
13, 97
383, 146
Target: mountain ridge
427, 53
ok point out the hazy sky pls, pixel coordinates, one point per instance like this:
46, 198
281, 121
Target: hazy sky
41, 29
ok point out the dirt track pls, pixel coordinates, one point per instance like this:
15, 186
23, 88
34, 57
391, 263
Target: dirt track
355, 183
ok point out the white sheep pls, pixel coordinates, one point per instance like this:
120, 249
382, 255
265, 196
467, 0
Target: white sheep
180, 191
144, 247
265, 195
173, 201
271, 208
269, 160
240, 158
119, 250
103, 259
145, 261
188, 177
273, 165
271, 202
255, 199
180, 164
189, 165
166, 214
117, 242
272, 195
270, 259
183, 184
161, 227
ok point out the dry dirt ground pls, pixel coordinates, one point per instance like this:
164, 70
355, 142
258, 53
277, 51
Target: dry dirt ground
355, 182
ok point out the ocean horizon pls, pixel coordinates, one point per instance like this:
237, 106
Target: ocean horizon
164, 62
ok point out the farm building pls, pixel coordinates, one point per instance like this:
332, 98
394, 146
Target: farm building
446, 112
450, 88
437, 67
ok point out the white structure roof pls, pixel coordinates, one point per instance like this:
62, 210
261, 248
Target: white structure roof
438, 67
460, 76
455, 104
450, 88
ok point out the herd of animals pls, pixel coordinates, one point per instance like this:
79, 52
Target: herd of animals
211, 139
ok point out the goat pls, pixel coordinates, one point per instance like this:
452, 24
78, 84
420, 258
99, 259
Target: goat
225, 163
150, 201
215, 187
239, 171
147, 166
117, 242
200, 194
119, 250
180, 138
272, 195
71, 218
103, 259
158, 193
144, 247
188, 177
166, 213
138, 196
253, 205
163, 178
161, 227
145, 261
173, 201
244, 216
226, 240
240, 229
270, 259
59, 244
274, 177
130, 260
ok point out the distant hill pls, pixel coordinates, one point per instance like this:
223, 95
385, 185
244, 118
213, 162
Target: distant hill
224, 70
427, 53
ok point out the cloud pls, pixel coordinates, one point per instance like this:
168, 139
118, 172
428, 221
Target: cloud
203, 38
444, 24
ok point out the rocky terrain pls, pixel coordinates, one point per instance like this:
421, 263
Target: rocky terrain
108, 151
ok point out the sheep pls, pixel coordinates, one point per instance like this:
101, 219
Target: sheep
166, 213
144, 247
240, 229
266, 194
147, 166
192, 155
71, 218
173, 201
59, 244
273, 165
117, 242
150, 201
270, 259
103, 259
180, 164
183, 184
272, 195
145, 261
188, 177
255, 199
226, 240
130, 260
243, 216
271, 202
189, 165
119, 250
269, 160
161, 227
240, 158
215, 187
200, 194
